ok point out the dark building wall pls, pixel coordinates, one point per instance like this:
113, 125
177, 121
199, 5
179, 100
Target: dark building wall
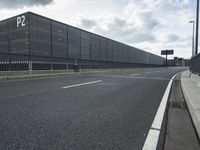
95, 47
103, 48
116, 52
59, 40
110, 51
85, 45
13, 36
40, 36
4, 36
74, 43
18, 35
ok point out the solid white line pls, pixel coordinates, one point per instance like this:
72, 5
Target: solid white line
157, 123
81, 84
153, 135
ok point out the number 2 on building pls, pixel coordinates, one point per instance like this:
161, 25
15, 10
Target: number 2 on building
21, 21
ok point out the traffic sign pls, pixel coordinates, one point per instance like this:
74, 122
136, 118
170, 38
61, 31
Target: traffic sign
167, 52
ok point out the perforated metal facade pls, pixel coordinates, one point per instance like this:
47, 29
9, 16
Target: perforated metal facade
36, 35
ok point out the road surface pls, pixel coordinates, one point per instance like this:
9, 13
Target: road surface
102, 111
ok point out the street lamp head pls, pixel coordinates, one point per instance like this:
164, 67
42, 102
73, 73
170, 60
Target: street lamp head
191, 21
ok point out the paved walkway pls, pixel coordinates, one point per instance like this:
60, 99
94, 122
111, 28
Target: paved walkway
191, 89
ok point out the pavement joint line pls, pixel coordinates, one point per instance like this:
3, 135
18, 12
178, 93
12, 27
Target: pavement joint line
81, 84
154, 132
155, 129
136, 74
133, 77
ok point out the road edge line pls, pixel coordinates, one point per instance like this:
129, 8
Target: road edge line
154, 132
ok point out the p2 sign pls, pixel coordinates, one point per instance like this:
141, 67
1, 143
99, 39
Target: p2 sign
21, 21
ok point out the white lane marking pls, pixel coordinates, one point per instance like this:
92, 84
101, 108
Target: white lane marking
81, 84
153, 135
157, 123
136, 74
147, 72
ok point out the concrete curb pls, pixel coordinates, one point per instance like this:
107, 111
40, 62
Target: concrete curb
34, 76
152, 138
191, 92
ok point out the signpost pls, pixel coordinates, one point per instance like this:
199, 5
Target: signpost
167, 52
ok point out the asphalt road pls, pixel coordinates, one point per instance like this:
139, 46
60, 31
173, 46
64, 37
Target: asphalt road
101, 111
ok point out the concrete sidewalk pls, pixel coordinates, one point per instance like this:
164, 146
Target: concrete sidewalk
180, 132
190, 84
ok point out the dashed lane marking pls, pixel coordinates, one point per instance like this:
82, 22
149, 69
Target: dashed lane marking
81, 84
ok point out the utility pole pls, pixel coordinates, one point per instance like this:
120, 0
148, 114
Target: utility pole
197, 28
193, 52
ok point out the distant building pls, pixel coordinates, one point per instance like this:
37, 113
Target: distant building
178, 62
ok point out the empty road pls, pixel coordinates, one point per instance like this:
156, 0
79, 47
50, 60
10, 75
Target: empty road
100, 111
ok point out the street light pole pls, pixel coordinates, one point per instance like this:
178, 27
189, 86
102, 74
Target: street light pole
197, 28
193, 52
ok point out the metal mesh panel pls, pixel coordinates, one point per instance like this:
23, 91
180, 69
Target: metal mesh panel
73, 42
94, 47
18, 35
3, 36
59, 40
103, 49
110, 50
116, 51
40, 36
85, 45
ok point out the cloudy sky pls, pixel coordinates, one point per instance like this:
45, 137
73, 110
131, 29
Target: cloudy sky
150, 25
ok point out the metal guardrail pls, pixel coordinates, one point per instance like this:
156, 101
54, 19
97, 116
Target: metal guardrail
195, 64
13, 62
16, 62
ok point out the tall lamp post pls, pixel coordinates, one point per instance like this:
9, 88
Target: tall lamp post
197, 28
193, 52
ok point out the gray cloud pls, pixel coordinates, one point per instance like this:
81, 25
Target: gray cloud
87, 23
149, 21
11, 4
126, 32
173, 38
